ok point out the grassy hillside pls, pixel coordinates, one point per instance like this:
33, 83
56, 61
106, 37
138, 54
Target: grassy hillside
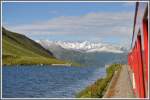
19, 49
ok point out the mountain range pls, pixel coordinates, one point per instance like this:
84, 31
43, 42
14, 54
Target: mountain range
84, 46
19, 49
86, 53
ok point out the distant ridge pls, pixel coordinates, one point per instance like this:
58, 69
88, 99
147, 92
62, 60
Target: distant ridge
85, 46
86, 53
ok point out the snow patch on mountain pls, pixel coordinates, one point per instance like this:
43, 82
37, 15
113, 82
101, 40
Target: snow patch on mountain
84, 46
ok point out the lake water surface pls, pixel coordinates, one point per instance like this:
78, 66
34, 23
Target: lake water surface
47, 81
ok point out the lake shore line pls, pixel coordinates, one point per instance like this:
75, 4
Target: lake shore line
99, 87
42, 65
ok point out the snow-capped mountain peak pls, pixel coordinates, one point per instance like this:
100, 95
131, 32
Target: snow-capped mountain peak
84, 46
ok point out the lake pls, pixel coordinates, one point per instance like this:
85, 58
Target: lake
47, 81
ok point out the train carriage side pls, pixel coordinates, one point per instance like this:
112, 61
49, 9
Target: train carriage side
138, 55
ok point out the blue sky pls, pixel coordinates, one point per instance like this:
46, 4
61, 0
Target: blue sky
107, 22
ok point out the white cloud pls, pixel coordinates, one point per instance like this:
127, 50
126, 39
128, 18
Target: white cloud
98, 24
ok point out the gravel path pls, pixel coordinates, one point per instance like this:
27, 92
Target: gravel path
120, 87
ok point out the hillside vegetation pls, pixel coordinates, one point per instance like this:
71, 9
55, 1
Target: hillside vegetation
19, 49
98, 88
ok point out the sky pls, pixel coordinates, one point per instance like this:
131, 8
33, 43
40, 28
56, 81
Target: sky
110, 22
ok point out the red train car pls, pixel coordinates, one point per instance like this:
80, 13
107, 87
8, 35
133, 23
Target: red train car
138, 55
